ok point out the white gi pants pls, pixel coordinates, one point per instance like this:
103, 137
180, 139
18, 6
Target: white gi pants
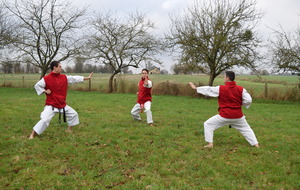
135, 112
49, 112
240, 124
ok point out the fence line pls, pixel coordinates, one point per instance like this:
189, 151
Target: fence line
121, 85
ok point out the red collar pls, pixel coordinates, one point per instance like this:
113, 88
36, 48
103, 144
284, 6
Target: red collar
230, 83
54, 74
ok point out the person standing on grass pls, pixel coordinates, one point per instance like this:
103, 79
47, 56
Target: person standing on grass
144, 99
55, 86
231, 97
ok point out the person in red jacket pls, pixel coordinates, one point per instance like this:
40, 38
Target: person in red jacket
55, 86
231, 98
144, 99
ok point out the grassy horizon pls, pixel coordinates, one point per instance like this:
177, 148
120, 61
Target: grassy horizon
267, 87
108, 150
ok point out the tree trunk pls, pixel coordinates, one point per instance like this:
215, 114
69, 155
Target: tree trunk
211, 79
110, 82
44, 71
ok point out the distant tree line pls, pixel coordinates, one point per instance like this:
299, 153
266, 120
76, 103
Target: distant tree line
88, 68
17, 67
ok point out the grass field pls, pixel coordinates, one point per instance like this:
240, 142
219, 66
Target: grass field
108, 150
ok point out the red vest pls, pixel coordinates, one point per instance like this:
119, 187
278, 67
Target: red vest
144, 93
230, 100
58, 84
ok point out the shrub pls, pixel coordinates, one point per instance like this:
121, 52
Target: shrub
124, 86
174, 89
7, 84
292, 94
277, 94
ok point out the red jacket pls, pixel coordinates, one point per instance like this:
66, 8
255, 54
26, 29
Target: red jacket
230, 100
58, 84
144, 94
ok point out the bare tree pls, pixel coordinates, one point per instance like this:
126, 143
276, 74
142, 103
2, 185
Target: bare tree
3, 27
79, 62
216, 35
286, 51
6, 28
7, 36
122, 43
7, 66
29, 67
47, 30
180, 68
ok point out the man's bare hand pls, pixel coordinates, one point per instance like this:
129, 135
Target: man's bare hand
48, 91
89, 77
192, 85
146, 81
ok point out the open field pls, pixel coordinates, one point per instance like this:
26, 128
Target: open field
108, 150
266, 87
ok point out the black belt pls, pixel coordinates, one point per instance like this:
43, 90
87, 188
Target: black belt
64, 114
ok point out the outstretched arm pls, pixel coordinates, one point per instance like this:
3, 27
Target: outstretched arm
206, 90
77, 79
192, 85
147, 83
89, 77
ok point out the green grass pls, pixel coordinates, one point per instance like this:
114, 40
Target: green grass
108, 150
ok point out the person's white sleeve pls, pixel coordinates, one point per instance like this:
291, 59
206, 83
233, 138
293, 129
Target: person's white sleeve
209, 90
247, 100
75, 79
149, 84
40, 86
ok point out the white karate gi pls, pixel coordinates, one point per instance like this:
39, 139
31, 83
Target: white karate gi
49, 111
135, 112
217, 121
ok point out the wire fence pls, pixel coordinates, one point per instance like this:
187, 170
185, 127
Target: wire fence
97, 83
128, 84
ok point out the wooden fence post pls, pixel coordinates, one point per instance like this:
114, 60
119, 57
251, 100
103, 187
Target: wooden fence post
266, 90
90, 84
23, 82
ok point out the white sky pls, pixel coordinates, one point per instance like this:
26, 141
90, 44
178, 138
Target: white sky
285, 13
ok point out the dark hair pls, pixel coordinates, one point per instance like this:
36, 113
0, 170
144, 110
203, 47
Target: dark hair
145, 70
230, 75
53, 64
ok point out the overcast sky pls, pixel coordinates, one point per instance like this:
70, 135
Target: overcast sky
285, 13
